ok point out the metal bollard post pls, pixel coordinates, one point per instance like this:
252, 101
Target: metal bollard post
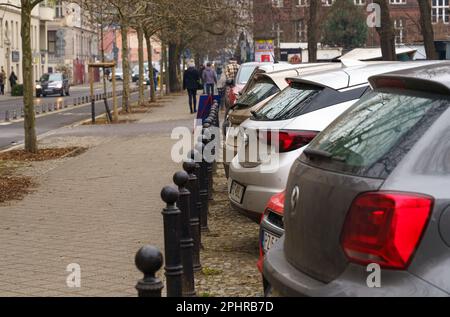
7, 119
22, 114
186, 242
207, 141
149, 261
203, 180
14, 114
172, 228
190, 166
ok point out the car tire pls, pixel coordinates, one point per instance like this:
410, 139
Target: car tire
68, 92
38, 95
62, 92
44, 95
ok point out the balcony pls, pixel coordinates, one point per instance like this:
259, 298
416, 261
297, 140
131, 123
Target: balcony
46, 13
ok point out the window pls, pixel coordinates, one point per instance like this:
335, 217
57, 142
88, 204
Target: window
278, 3
301, 28
51, 41
59, 10
371, 138
327, 3
360, 2
399, 31
260, 91
302, 3
440, 11
397, 2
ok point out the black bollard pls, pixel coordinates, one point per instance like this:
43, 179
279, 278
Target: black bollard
207, 141
7, 119
181, 179
190, 166
203, 181
172, 228
149, 261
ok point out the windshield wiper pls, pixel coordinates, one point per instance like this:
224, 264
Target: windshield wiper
258, 116
313, 153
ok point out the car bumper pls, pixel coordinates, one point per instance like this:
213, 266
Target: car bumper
52, 91
286, 281
261, 182
272, 230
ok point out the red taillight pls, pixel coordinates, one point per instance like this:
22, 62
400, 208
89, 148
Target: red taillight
385, 228
276, 203
287, 141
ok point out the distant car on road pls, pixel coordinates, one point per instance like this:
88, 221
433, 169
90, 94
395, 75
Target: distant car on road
53, 84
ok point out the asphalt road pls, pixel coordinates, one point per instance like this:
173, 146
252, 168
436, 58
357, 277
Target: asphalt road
11, 133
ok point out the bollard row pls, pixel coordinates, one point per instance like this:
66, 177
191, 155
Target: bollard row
185, 217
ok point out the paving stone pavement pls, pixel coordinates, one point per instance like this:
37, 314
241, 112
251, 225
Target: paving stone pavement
95, 210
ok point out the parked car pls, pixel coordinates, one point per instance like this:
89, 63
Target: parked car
272, 227
53, 84
243, 76
265, 83
289, 122
119, 74
372, 188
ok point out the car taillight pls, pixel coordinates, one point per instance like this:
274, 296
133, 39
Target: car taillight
385, 228
287, 141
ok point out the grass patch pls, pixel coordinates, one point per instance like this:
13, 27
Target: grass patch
211, 272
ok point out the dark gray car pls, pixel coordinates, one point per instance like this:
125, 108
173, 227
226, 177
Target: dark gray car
368, 203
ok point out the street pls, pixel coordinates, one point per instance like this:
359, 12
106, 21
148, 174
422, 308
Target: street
11, 133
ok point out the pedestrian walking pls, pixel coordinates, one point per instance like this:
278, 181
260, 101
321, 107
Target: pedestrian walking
200, 71
191, 82
221, 88
2, 81
209, 77
232, 69
12, 79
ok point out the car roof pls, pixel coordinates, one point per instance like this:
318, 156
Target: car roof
279, 76
430, 78
356, 75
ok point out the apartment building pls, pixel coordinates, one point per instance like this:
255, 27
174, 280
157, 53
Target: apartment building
11, 40
286, 20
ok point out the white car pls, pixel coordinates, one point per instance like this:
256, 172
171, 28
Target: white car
287, 124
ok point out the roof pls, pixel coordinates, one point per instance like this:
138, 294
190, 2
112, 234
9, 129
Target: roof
430, 78
357, 75
370, 54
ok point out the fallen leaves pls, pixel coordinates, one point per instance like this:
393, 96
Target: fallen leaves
42, 155
14, 188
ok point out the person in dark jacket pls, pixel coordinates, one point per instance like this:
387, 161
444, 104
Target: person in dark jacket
191, 82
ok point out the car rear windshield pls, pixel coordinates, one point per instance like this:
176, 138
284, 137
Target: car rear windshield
373, 136
259, 92
302, 98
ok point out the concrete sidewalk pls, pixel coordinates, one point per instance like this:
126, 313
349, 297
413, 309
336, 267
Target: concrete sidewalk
95, 210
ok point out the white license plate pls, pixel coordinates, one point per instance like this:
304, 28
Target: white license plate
269, 241
237, 192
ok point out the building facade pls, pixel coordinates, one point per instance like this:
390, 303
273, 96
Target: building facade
11, 40
72, 41
285, 21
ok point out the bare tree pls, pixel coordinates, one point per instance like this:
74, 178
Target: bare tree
386, 32
427, 28
26, 6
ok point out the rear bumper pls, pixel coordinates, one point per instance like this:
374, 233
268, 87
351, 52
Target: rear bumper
286, 280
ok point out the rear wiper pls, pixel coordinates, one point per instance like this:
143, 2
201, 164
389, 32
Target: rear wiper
312, 153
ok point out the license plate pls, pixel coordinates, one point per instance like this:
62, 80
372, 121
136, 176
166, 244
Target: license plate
269, 241
237, 192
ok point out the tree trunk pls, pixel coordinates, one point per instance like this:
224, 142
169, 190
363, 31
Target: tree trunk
165, 74
142, 82
313, 32
386, 32
427, 29
125, 68
174, 61
28, 87
148, 40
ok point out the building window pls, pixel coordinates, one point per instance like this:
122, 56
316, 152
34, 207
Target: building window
51, 41
302, 3
360, 2
440, 11
399, 31
327, 3
397, 2
301, 31
59, 10
278, 3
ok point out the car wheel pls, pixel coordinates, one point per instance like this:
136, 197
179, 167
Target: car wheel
68, 92
44, 95
62, 92
38, 95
